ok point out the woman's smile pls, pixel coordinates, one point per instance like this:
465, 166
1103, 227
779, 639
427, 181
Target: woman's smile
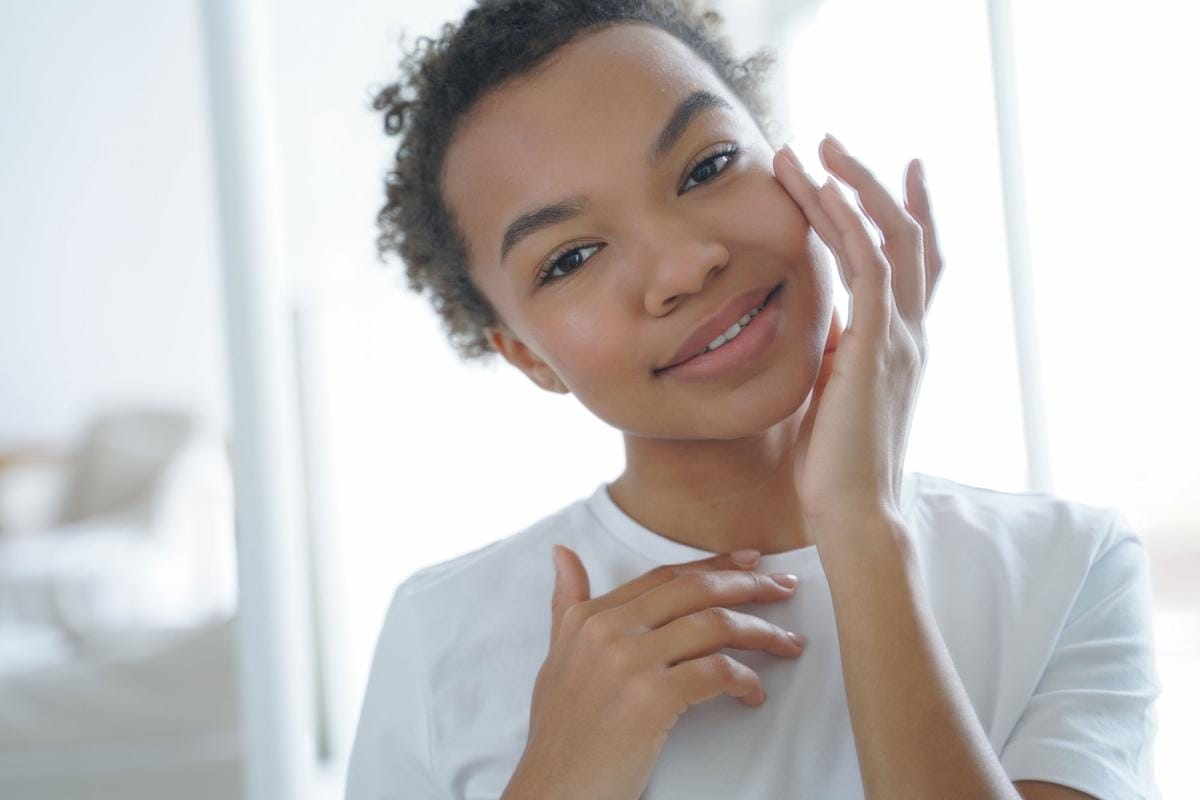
753, 342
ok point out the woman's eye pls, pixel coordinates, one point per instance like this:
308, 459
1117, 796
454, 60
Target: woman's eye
571, 259
710, 167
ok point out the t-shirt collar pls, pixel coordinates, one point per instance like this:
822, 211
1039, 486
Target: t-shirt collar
662, 550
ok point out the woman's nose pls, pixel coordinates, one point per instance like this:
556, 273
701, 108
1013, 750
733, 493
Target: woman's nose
677, 260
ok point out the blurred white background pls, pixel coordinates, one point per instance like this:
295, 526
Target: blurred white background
1062, 352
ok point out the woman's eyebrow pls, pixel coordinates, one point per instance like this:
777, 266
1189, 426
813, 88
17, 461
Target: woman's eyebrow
544, 217
692, 105
563, 210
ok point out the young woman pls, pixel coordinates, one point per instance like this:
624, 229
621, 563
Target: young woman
588, 190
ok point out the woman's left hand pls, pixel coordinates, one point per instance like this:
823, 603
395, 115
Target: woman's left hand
867, 388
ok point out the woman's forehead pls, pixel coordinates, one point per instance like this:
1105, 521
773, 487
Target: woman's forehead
627, 68
604, 96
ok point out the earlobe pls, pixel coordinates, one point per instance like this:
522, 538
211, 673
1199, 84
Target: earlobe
553, 384
541, 374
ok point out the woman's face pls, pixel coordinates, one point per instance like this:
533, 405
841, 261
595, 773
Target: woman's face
654, 243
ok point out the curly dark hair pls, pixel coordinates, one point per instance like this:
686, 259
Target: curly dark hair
443, 78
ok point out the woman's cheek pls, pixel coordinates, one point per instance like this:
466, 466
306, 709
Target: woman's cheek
591, 340
765, 210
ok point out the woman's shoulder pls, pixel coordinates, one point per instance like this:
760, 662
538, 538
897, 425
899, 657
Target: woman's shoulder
494, 565
1019, 558
948, 510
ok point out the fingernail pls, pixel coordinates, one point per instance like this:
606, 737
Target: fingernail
785, 579
791, 156
920, 171
747, 558
797, 639
836, 144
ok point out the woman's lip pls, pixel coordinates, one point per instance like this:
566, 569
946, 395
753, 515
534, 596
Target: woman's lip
733, 358
698, 342
766, 303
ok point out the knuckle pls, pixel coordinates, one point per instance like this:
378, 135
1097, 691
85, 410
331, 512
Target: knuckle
758, 582
700, 581
668, 572
908, 354
880, 364
575, 616
719, 617
725, 669
599, 629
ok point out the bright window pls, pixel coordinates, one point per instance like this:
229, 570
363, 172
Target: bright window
1107, 125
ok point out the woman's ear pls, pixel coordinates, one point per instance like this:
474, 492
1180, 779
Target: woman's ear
520, 356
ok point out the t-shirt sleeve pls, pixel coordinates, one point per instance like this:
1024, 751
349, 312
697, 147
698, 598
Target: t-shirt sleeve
392, 753
1091, 722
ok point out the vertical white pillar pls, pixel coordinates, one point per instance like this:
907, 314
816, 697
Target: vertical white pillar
274, 635
1020, 263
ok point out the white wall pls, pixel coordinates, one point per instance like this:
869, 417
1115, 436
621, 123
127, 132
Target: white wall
356, 321
109, 287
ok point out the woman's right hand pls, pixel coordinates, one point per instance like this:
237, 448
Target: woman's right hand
623, 667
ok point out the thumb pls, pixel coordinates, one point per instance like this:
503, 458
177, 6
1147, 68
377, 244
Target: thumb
571, 586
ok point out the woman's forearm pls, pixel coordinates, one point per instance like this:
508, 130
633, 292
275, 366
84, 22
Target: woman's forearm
915, 730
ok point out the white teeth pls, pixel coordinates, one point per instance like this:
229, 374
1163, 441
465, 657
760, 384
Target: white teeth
735, 328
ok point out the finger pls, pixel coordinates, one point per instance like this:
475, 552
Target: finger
702, 679
901, 233
803, 189
571, 586
921, 208
712, 629
893, 221
870, 275
696, 591
664, 574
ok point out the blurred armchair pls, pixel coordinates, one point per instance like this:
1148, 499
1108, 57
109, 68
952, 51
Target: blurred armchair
132, 532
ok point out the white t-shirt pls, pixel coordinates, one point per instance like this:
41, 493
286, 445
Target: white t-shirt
1044, 605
